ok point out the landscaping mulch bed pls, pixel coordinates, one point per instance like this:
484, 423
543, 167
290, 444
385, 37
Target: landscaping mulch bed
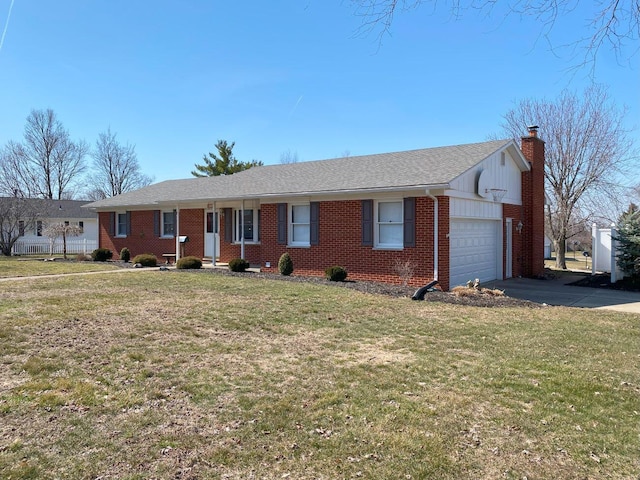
479, 299
603, 280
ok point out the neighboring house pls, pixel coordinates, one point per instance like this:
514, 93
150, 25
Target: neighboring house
453, 213
47, 212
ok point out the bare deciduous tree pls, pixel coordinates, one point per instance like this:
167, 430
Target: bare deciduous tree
613, 23
587, 152
64, 230
289, 157
115, 168
17, 214
47, 164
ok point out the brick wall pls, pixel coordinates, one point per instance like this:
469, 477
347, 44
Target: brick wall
340, 243
533, 202
192, 224
444, 221
515, 212
142, 239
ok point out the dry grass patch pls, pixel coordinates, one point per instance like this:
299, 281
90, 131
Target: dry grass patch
461, 291
383, 352
168, 375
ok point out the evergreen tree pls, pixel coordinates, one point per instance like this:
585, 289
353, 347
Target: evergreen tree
628, 238
224, 163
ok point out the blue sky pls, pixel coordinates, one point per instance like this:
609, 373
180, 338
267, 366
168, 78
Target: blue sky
173, 77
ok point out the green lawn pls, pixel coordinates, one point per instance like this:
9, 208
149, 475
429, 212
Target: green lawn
31, 266
575, 261
199, 375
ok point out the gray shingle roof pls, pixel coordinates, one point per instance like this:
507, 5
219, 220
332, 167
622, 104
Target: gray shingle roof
428, 167
58, 208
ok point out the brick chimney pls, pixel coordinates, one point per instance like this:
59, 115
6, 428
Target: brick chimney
533, 200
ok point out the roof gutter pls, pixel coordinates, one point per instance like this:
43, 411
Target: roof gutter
258, 196
435, 233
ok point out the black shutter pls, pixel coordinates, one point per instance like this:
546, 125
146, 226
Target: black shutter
282, 223
111, 228
156, 223
367, 223
128, 227
314, 223
228, 224
410, 222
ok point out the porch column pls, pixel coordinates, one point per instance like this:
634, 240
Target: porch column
215, 233
242, 230
176, 232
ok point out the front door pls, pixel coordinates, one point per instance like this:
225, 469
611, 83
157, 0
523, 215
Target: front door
211, 235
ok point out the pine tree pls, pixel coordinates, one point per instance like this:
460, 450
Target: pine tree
224, 164
628, 238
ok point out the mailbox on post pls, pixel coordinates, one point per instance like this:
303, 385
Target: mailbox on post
182, 239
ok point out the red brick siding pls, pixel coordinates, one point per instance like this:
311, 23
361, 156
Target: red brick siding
141, 239
341, 244
515, 213
444, 246
192, 224
533, 203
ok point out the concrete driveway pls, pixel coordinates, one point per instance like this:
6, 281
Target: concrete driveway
557, 292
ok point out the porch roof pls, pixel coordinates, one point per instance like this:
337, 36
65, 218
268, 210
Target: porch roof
424, 168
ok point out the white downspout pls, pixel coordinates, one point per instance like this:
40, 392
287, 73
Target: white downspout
435, 234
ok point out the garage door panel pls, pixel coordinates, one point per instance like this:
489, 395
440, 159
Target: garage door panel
473, 251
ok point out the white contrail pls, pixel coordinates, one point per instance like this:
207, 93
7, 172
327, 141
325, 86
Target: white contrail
6, 25
295, 106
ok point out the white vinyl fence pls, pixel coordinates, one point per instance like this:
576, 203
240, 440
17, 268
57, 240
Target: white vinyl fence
44, 247
604, 251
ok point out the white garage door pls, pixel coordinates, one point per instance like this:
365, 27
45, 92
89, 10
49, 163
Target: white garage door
473, 251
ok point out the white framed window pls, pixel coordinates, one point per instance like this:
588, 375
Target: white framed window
81, 226
39, 228
389, 224
21, 228
168, 227
300, 225
121, 224
249, 220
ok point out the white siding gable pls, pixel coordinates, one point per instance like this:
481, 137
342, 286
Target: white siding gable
466, 208
495, 174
